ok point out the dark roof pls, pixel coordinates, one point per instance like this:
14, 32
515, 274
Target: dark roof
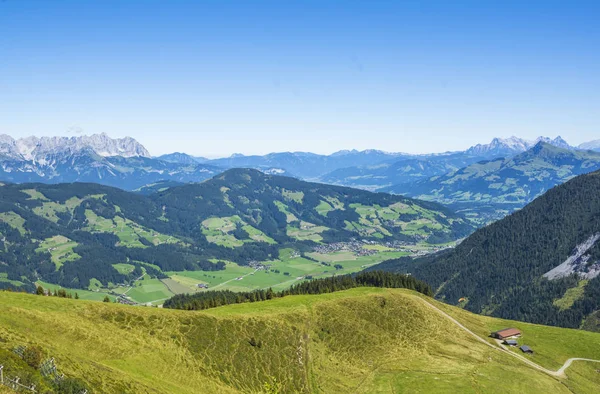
511, 342
526, 348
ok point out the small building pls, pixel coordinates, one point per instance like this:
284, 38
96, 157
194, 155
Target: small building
526, 349
510, 342
506, 333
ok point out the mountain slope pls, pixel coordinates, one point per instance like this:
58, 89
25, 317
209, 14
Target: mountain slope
80, 235
363, 340
506, 184
285, 208
503, 269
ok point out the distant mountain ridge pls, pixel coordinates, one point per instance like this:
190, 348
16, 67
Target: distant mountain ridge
120, 162
125, 163
500, 147
37, 149
506, 184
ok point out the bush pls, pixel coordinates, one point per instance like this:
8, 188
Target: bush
33, 356
71, 386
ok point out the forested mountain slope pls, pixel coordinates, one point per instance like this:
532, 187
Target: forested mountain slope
78, 235
363, 340
500, 269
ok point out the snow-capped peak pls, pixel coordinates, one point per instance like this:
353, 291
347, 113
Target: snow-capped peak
591, 145
558, 142
513, 145
38, 149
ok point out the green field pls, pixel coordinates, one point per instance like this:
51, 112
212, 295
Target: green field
363, 340
13, 220
291, 270
129, 232
282, 273
219, 230
305, 231
149, 290
60, 248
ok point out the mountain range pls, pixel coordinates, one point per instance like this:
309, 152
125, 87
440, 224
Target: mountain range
496, 187
486, 181
122, 163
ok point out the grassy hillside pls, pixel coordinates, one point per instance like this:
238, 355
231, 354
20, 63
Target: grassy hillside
492, 189
83, 236
364, 340
504, 269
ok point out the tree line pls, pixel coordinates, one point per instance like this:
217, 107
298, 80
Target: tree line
212, 299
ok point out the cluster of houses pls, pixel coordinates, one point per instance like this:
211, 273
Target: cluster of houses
126, 301
257, 265
508, 337
356, 247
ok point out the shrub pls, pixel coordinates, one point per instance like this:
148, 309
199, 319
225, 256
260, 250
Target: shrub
33, 356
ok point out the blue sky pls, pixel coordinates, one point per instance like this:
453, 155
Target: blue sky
216, 77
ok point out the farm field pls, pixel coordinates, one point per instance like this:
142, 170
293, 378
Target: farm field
363, 340
60, 248
284, 272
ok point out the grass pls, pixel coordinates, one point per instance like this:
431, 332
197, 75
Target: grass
60, 249
290, 217
552, 345
293, 196
292, 269
219, 230
124, 268
323, 208
571, 295
305, 231
149, 290
129, 232
83, 294
34, 194
49, 209
361, 341
14, 220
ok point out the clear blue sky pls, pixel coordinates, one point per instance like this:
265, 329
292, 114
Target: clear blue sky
217, 77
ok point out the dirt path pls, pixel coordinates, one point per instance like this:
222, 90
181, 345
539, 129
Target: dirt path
559, 373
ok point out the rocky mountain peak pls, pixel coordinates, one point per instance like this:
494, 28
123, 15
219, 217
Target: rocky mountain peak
38, 149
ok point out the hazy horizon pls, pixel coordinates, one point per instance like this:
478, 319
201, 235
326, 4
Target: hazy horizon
213, 79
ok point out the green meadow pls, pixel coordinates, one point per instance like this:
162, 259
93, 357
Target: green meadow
363, 340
